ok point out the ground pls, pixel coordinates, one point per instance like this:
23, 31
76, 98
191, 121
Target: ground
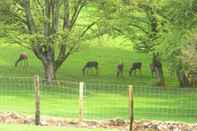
48, 123
4, 127
106, 95
107, 55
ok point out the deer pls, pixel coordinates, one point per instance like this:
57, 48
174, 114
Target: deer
119, 71
192, 76
89, 65
135, 66
22, 57
152, 69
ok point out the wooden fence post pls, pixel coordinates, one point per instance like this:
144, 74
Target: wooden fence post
130, 107
81, 101
37, 99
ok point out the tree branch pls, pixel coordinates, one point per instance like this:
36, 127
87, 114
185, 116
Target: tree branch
18, 41
29, 17
47, 14
66, 22
86, 29
139, 27
78, 8
40, 5
63, 54
55, 15
22, 20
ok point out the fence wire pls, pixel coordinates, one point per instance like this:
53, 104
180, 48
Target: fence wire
17, 94
60, 98
101, 100
169, 104
106, 101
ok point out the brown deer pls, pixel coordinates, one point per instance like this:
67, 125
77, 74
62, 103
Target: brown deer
22, 57
120, 68
89, 65
135, 66
192, 76
152, 69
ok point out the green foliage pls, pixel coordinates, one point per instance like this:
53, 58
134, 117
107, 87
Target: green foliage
181, 22
189, 53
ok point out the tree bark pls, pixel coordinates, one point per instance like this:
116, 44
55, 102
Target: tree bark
160, 75
182, 78
49, 71
158, 69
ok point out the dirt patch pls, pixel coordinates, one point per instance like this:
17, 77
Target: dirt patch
15, 118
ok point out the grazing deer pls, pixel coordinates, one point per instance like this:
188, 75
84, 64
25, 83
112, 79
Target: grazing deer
120, 68
23, 57
135, 66
192, 76
152, 69
89, 65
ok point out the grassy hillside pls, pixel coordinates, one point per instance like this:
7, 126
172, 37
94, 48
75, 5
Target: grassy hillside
103, 101
107, 52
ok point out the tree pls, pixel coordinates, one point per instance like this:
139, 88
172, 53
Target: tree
181, 22
140, 22
50, 28
189, 54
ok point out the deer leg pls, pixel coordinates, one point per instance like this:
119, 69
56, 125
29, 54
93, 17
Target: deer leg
129, 72
27, 62
96, 71
16, 63
152, 74
122, 73
87, 71
117, 74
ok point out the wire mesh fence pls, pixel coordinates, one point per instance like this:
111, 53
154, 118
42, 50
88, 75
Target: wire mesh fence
60, 98
174, 104
17, 94
100, 100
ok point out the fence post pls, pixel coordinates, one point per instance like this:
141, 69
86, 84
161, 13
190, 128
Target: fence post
37, 99
130, 107
81, 101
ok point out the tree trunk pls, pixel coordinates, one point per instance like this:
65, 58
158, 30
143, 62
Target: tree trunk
158, 68
159, 75
49, 71
182, 78
181, 75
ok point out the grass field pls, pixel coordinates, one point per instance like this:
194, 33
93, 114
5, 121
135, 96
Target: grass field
108, 56
33, 128
103, 101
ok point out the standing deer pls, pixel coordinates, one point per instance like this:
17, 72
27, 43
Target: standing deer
135, 66
152, 69
23, 57
119, 71
89, 65
192, 76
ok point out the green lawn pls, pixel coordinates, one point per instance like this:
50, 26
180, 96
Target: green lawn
4, 127
102, 100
